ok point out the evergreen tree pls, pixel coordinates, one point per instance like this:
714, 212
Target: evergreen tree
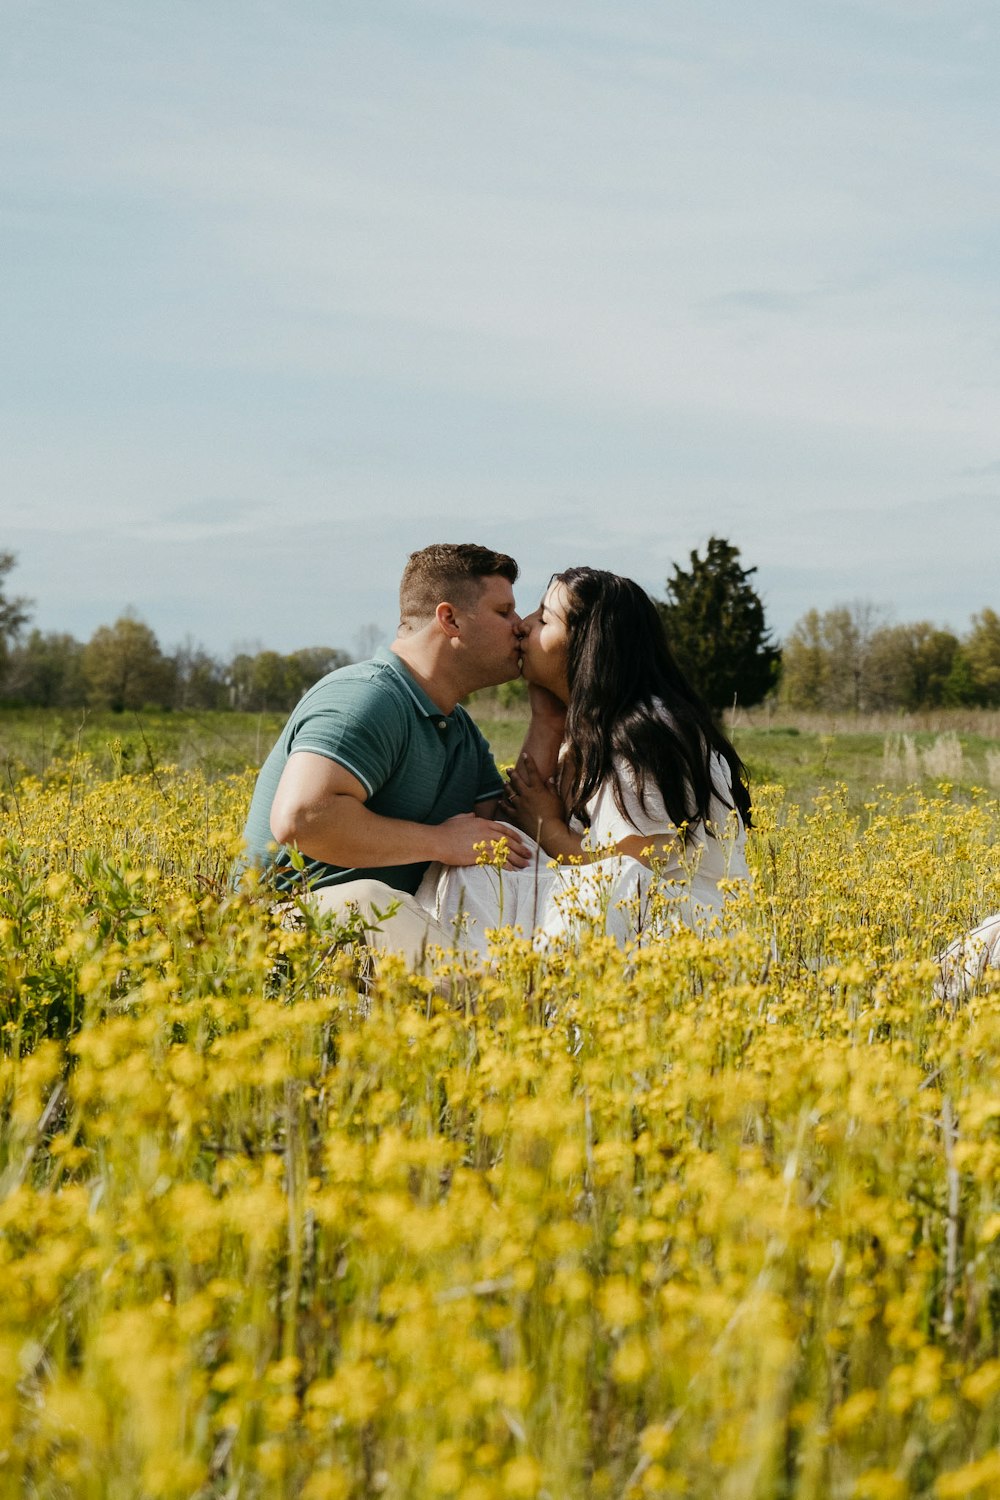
715, 623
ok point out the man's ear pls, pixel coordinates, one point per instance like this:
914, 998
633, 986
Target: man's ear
445, 616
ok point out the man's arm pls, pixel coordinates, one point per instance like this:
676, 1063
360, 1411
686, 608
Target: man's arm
319, 808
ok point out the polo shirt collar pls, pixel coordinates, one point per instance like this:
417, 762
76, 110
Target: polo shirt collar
425, 704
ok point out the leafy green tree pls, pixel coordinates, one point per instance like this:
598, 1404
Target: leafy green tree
805, 663
270, 682
829, 661
309, 664
200, 680
935, 652
849, 629
269, 687
841, 660
46, 669
960, 687
715, 622
124, 667
981, 649
239, 680
14, 612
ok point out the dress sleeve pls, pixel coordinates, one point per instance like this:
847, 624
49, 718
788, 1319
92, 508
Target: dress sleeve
609, 826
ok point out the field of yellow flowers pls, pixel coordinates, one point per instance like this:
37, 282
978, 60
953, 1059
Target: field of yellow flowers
719, 1218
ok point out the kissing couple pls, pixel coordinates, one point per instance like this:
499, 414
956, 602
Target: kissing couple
382, 792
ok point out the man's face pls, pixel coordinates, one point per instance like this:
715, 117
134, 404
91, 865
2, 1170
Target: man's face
491, 634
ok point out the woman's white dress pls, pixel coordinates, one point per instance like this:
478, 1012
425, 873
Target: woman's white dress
552, 901
967, 961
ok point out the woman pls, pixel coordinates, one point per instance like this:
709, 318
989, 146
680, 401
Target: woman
644, 793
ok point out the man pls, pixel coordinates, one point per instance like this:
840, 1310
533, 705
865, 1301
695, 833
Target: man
379, 770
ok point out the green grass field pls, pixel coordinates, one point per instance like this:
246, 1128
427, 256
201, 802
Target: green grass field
801, 755
805, 757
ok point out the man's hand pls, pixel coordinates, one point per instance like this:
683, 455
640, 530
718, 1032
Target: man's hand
459, 837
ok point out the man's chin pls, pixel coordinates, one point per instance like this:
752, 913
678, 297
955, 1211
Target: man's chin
497, 677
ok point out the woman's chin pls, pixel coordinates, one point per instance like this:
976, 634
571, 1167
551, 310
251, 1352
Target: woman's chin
541, 679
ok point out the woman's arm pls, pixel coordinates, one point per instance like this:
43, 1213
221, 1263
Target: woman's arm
535, 806
640, 827
648, 848
539, 812
544, 734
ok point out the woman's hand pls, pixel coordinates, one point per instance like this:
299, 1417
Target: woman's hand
531, 802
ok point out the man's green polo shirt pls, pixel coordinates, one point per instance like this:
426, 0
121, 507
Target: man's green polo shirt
374, 719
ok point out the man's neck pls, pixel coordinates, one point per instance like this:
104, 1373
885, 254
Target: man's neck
425, 667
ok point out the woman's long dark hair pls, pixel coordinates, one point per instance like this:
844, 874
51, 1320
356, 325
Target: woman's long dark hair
622, 676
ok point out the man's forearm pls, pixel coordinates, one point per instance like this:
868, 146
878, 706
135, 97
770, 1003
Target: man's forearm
340, 830
344, 832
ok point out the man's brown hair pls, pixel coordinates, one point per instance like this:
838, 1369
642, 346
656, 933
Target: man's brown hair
451, 572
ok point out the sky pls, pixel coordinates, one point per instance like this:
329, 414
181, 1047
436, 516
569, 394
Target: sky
289, 289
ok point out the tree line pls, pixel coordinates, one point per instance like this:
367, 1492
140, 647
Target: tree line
123, 666
849, 658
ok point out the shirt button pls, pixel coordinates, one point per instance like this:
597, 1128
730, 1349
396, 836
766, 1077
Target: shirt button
442, 723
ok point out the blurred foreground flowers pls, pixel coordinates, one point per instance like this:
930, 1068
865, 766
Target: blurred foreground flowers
716, 1218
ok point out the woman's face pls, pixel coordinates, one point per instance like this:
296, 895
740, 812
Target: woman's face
545, 642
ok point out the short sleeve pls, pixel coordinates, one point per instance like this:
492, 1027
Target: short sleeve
356, 723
